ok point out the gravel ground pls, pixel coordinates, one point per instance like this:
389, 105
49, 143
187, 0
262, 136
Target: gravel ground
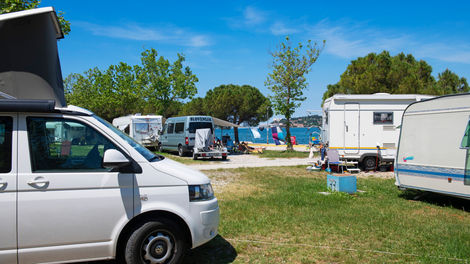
247, 160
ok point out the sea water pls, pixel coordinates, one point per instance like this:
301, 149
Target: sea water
301, 134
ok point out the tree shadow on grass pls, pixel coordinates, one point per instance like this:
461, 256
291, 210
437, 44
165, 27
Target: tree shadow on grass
437, 199
218, 250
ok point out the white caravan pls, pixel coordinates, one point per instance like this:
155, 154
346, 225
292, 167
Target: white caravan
433, 151
142, 128
364, 127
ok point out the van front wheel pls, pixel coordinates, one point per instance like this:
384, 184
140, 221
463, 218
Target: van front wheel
154, 242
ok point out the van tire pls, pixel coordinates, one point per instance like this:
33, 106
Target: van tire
159, 241
180, 151
369, 163
160, 147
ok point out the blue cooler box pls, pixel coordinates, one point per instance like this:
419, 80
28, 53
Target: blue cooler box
342, 183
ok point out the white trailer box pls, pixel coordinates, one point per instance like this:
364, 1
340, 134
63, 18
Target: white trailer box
142, 128
364, 127
433, 151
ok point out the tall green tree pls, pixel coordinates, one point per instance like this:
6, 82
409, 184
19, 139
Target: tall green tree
7, 6
109, 94
164, 82
241, 105
400, 74
287, 80
450, 83
193, 107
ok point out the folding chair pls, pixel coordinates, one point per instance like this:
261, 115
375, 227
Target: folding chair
333, 158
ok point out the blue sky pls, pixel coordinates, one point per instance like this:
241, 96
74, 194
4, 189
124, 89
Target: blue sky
228, 42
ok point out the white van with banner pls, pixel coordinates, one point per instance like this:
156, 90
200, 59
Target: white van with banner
180, 134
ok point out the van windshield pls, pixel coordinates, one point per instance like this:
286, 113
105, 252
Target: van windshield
198, 125
150, 156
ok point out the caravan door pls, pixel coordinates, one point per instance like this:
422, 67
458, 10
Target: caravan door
351, 129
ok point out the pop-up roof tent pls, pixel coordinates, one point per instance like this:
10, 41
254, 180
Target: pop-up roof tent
29, 59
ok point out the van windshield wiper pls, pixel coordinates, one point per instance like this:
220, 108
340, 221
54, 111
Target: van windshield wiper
157, 157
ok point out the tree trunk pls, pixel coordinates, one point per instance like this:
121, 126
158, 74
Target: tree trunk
235, 131
288, 141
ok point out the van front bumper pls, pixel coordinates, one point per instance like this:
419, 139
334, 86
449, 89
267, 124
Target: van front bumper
204, 219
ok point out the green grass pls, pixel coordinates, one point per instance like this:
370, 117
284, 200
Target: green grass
277, 215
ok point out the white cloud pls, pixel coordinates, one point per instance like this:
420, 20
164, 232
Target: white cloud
279, 28
165, 34
350, 40
253, 16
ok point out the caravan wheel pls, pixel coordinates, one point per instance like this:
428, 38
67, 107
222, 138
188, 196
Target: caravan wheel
369, 163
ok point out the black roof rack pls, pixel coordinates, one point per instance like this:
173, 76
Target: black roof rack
24, 105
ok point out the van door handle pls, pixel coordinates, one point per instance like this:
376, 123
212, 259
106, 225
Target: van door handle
2, 182
39, 181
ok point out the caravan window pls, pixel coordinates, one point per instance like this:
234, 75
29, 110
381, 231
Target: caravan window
381, 118
198, 125
326, 117
179, 128
466, 141
466, 145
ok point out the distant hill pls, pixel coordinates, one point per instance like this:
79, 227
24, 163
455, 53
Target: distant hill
304, 121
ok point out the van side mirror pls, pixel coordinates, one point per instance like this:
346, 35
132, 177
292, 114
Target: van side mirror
114, 159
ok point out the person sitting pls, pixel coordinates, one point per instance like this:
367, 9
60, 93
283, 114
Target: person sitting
252, 149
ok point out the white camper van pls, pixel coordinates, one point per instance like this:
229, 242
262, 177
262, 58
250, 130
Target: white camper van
364, 127
144, 129
433, 151
105, 198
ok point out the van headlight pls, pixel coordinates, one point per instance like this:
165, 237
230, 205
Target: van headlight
199, 193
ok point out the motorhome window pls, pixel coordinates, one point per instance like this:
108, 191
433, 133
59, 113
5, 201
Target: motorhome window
65, 145
198, 125
6, 129
326, 117
171, 127
466, 140
381, 118
142, 128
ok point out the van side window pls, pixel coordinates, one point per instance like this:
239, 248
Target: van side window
6, 128
383, 118
164, 128
198, 125
65, 145
171, 127
179, 128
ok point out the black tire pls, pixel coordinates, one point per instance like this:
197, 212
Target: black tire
180, 151
159, 241
194, 157
160, 147
369, 163
224, 157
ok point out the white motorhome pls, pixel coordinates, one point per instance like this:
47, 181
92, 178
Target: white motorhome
144, 129
363, 127
105, 198
433, 151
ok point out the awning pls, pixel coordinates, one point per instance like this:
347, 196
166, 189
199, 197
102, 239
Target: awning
223, 123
